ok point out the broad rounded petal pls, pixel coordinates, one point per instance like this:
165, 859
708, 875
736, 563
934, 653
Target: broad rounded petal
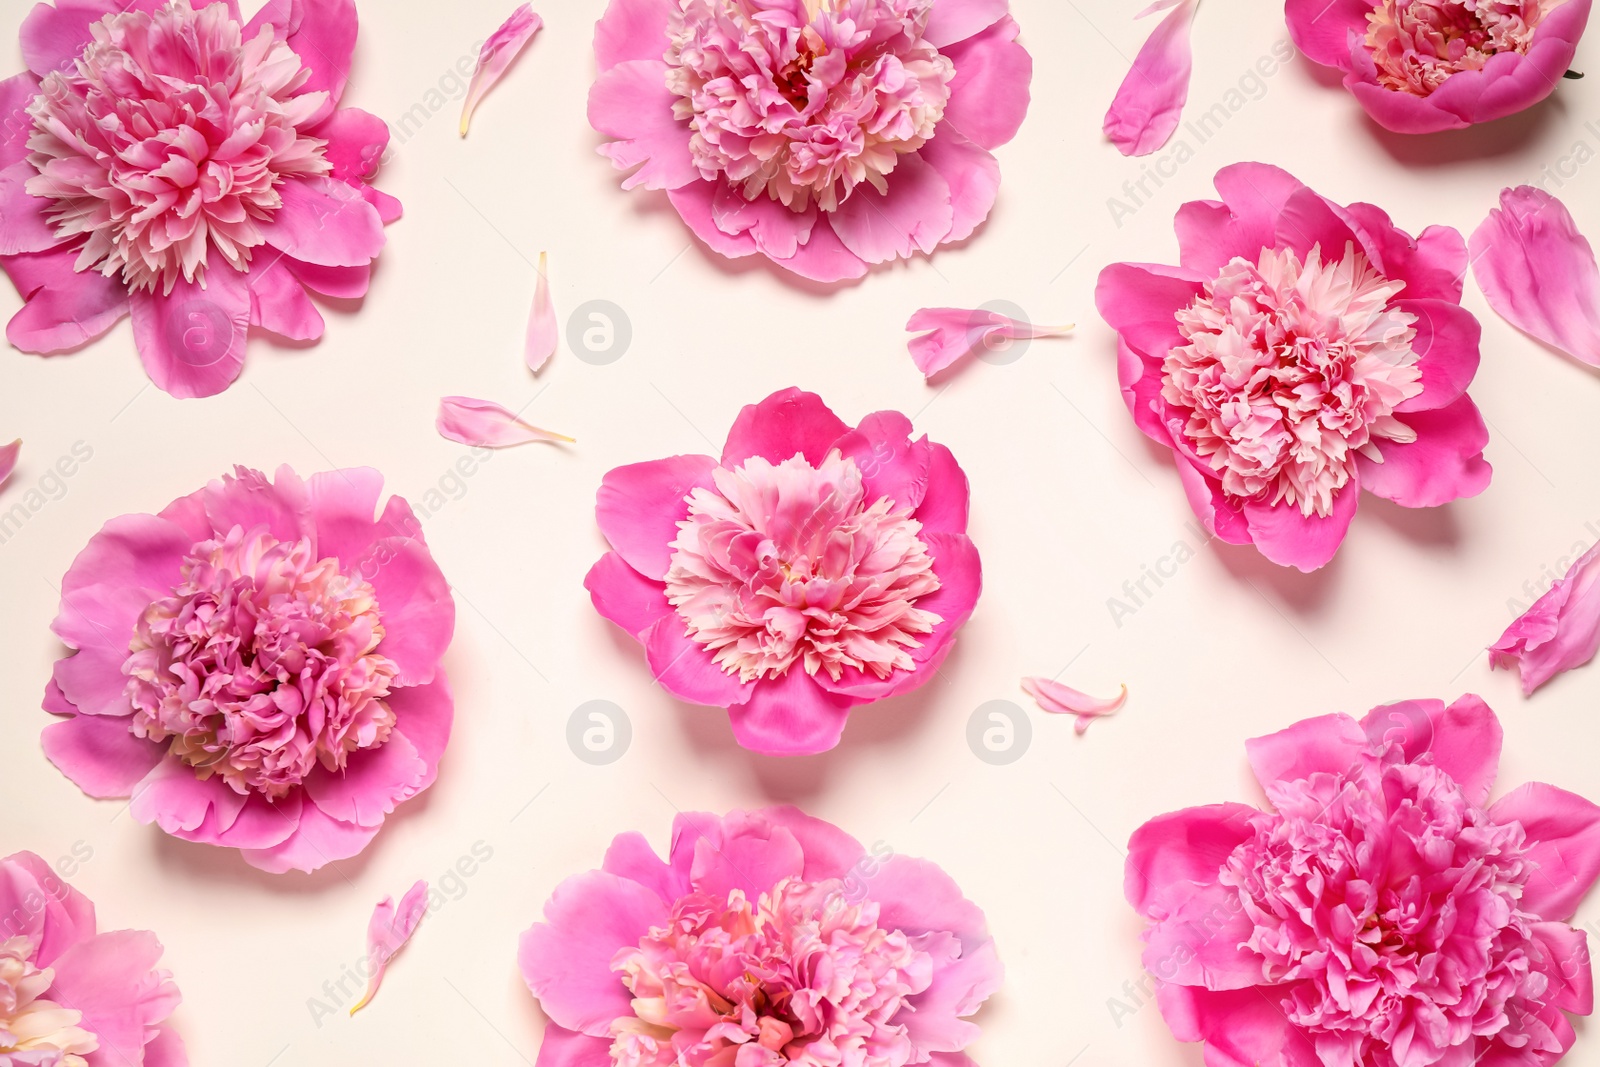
418, 610
192, 340
1444, 463
631, 29
945, 505
112, 979
829, 851
1322, 29
49, 909
892, 465
914, 215
631, 103
1399, 112
64, 309
1149, 102
16, 125
989, 95
195, 809
54, 35
789, 423
792, 715
1447, 347
777, 231
566, 960
824, 258
1203, 939
560, 1047
100, 754
1139, 376
686, 670
951, 21
166, 1049
1309, 221
630, 856
1292, 539
373, 783
693, 204
973, 176
24, 223
1141, 302
324, 221
317, 840
259, 824
92, 681
1172, 854
249, 498
624, 596
640, 505
343, 505
959, 988
1219, 515
341, 283
425, 714
1433, 264
917, 896
1328, 744
1559, 632
133, 560
278, 303
1563, 840
1463, 740
744, 850
356, 142
1241, 1027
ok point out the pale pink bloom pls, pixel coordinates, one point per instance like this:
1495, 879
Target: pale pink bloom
188, 168
1150, 100
485, 424
1381, 912
502, 47
1303, 351
766, 937
257, 666
8, 458
1059, 699
827, 135
958, 331
542, 337
1538, 272
1559, 632
1418, 66
811, 569
387, 932
71, 996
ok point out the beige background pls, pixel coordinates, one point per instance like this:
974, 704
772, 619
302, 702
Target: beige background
1068, 503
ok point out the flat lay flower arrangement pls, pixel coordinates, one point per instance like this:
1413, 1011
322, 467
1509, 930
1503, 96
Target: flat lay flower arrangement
844, 533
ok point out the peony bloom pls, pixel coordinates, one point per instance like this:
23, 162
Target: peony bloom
1379, 914
1418, 66
1303, 351
257, 666
810, 569
171, 164
72, 997
826, 135
1559, 632
767, 938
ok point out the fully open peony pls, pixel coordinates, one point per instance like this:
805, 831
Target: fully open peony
766, 937
827, 135
1418, 66
189, 169
1302, 351
1381, 912
810, 569
257, 666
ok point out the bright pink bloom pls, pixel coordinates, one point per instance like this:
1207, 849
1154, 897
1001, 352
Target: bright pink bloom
1538, 272
1302, 351
1150, 100
826, 135
1379, 914
1418, 66
257, 666
766, 937
189, 169
810, 569
70, 996
1561, 631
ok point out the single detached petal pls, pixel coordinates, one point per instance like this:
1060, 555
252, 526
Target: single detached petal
387, 931
541, 343
1060, 699
1561, 631
499, 50
957, 331
1150, 100
1539, 272
8, 459
485, 424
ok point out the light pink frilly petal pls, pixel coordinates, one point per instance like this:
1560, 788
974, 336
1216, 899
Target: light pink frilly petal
387, 932
8, 459
1058, 699
499, 50
542, 336
1561, 631
1150, 100
957, 331
1539, 272
485, 424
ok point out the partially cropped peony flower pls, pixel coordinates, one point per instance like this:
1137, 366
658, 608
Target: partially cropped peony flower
810, 569
1302, 352
1381, 912
1419, 66
69, 995
190, 169
827, 135
767, 938
257, 666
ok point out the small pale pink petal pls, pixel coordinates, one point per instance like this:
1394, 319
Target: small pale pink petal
485, 424
1539, 273
542, 333
499, 50
387, 932
954, 332
1559, 632
1059, 699
1150, 100
8, 459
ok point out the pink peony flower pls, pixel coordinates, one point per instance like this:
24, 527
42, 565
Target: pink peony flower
1379, 913
810, 569
767, 938
172, 164
1418, 66
257, 666
824, 134
1301, 352
1559, 632
72, 997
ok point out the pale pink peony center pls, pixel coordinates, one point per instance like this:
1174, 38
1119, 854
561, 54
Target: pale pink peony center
1417, 44
804, 975
167, 141
36, 1029
1291, 369
786, 563
261, 664
803, 100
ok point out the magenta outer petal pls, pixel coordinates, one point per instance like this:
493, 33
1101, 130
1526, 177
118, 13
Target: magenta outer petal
1241, 1027
1322, 30
342, 504
16, 126
415, 602
631, 29
24, 225
743, 850
112, 979
790, 716
373, 784
323, 34
1203, 941
935, 1018
1559, 632
914, 215
686, 670
640, 505
1141, 302
1304, 542
989, 95
917, 896
341, 283
630, 856
52, 36
693, 204
1307, 221
1447, 347
824, 258
778, 232
952, 21
1444, 463
166, 1049
425, 714
100, 754
945, 505
789, 423
829, 851
1433, 265
631, 103
192, 340
133, 560
278, 303
317, 841
1221, 517
1211, 232
64, 310
1563, 839
66, 917
561, 1047
324, 221
626, 597
1570, 968
249, 498
1539, 273
973, 176
1149, 102
356, 142
1328, 744
1172, 855
1463, 740
892, 464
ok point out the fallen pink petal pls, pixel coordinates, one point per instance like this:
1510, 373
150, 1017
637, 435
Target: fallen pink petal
485, 424
1561, 631
1538, 272
8, 459
1150, 100
387, 932
1059, 699
954, 332
494, 60
542, 335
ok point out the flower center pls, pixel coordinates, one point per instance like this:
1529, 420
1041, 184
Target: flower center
804, 974
1417, 44
261, 664
803, 100
790, 562
1289, 370
167, 140
28, 1022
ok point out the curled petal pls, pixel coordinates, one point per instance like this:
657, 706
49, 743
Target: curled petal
1539, 272
387, 931
485, 424
957, 331
1561, 631
1058, 699
1150, 100
541, 344
499, 50
8, 459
